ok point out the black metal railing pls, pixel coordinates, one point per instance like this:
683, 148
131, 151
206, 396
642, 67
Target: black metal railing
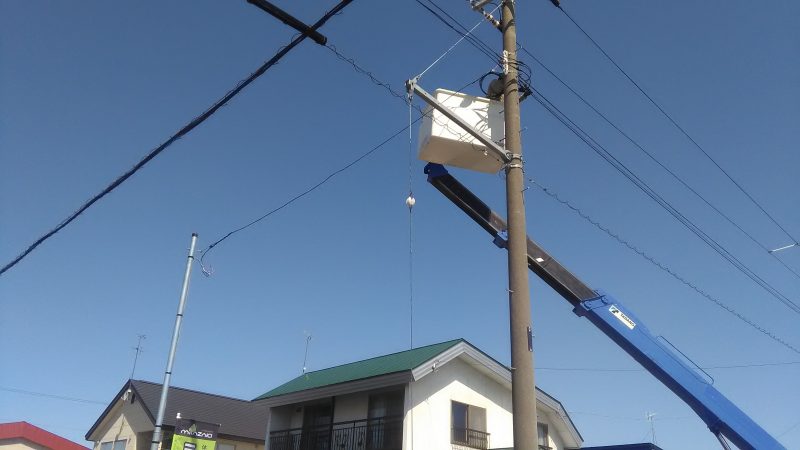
470, 438
385, 433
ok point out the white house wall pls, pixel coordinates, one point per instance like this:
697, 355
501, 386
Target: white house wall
428, 423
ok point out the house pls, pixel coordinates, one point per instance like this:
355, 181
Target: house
129, 420
446, 395
24, 436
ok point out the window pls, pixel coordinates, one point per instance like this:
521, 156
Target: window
114, 445
469, 426
544, 438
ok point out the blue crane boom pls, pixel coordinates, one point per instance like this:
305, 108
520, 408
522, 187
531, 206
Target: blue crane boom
669, 366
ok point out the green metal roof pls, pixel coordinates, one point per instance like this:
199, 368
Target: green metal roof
381, 365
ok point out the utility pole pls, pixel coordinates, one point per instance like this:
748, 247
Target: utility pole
162, 404
523, 390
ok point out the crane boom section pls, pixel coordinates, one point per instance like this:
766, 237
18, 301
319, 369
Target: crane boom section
611, 317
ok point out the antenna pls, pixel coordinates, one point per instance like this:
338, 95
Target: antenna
138, 349
305, 357
650, 417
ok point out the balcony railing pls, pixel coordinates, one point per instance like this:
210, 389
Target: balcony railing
385, 433
470, 438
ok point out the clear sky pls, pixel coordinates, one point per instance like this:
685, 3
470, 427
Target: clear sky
88, 88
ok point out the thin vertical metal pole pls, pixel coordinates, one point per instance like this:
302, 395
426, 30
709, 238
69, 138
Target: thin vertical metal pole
523, 391
162, 404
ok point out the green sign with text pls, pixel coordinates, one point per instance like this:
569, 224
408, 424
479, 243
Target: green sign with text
194, 435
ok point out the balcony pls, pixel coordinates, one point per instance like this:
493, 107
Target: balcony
470, 438
385, 433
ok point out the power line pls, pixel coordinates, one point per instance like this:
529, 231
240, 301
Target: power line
666, 269
644, 187
484, 48
386, 86
480, 45
306, 192
659, 163
53, 396
464, 32
463, 36
182, 132
686, 134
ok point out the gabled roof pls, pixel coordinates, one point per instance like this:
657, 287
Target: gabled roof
36, 435
237, 418
368, 368
403, 367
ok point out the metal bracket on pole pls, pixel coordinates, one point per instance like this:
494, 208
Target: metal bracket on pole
413, 87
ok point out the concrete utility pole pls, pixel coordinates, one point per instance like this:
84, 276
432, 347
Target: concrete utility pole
176, 332
523, 391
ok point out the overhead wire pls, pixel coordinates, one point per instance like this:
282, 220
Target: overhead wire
679, 127
484, 48
410, 201
526, 83
658, 162
52, 396
650, 192
302, 194
637, 181
179, 134
463, 36
464, 32
385, 86
664, 267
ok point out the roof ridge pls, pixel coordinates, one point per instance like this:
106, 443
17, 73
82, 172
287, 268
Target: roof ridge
384, 356
192, 390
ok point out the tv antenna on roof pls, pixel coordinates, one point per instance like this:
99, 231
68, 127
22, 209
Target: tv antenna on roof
138, 349
305, 357
650, 417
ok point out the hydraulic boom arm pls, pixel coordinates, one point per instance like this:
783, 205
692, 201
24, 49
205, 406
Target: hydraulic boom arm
721, 416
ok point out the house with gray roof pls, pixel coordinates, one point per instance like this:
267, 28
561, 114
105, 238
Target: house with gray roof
128, 421
446, 395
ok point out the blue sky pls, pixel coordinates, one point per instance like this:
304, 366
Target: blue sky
87, 89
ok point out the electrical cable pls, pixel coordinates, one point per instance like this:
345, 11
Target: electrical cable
638, 182
464, 136
182, 132
482, 46
681, 129
304, 193
474, 41
410, 201
664, 268
463, 36
53, 396
659, 163
375, 81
